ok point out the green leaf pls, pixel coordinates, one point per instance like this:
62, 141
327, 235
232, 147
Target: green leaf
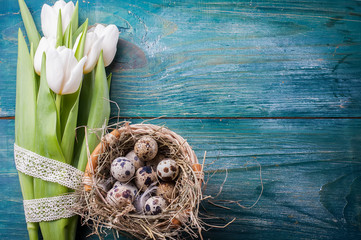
79, 52
26, 92
59, 32
71, 28
26, 89
75, 18
109, 80
86, 94
68, 37
99, 109
79, 30
46, 120
31, 31
47, 145
69, 119
36, 76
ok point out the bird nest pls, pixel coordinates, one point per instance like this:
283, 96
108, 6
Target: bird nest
181, 214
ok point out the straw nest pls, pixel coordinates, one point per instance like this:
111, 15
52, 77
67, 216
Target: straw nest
181, 214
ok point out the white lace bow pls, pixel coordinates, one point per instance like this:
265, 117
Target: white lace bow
52, 208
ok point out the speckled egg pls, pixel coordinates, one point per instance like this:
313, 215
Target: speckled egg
167, 170
144, 177
155, 205
167, 191
135, 160
122, 169
146, 148
120, 195
154, 162
130, 186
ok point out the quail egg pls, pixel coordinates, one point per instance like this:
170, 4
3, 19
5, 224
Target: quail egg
146, 148
144, 177
167, 191
155, 205
120, 196
167, 170
130, 186
122, 169
135, 160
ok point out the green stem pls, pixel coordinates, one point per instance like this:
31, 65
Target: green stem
58, 103
33, 230
26, 183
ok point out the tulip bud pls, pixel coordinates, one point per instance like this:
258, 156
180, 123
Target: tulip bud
99, 38
49, 17
63, 72
110, 35
44, 45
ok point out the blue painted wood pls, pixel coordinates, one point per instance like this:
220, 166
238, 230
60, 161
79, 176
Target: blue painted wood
232, 59
243, 58
311, 171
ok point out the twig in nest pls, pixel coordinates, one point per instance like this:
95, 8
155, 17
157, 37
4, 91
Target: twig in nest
221, 187
237, 202
260, 194
224, 226
116, 104
148, 120
217, 205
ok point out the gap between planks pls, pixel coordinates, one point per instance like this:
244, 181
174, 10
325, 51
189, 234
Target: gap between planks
127, 117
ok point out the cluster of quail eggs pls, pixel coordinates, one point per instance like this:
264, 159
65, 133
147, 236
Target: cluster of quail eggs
144, 178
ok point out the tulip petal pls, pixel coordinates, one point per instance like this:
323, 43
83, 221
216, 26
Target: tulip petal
109, 46
48, 21
51, 42
68, 60
99, 29
76, 76
91, 38
54, 73
67, 13
76, 43
59, 5
39, 55
44, 45
92, 55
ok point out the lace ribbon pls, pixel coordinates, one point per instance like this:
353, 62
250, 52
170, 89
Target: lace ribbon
49, 209
47, 169
52, 208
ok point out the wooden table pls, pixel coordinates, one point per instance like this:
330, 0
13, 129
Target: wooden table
270, 84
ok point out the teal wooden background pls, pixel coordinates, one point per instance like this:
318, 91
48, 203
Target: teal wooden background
275, 83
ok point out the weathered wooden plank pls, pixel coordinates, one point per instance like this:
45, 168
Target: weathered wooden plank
211, 58
311, 171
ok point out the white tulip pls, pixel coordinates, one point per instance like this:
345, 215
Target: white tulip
92, 50
49, 17
99, 38
110, 35
63, 72
44, 45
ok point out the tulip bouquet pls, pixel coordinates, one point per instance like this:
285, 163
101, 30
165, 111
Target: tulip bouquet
61, 85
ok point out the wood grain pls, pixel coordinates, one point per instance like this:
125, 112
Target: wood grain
310, 173
221, 58
267, 83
